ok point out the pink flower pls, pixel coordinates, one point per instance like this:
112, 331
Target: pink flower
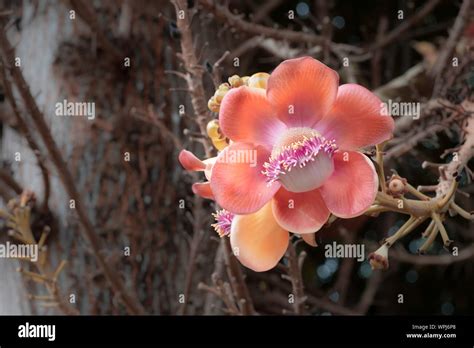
293, 158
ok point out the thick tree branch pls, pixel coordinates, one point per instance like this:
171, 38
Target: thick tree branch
464, 154
130, 302
10, 182
29, 138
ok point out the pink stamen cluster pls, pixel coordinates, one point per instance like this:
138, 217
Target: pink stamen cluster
223, 222
297, 154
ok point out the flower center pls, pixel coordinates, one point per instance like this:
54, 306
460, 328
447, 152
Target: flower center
223, 222
301, 160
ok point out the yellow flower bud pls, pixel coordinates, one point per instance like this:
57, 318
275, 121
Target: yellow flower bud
235, 81
213, 105
245, 80
258, 80
219, 95
224, 86
213, 129
218, 139
219, 144
396, 186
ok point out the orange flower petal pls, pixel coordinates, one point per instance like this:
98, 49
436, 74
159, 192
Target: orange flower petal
352, 187
257, 240
203, 189
356, 119
300, 213
237, 180
302, 91
246, 116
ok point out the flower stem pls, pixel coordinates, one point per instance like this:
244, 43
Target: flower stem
429, 241
397, 235
417, 193
449, 195
444, 234
461, 211
409, 226
429, 229
375, 209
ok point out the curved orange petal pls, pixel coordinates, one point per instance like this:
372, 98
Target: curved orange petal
246, 116
203, 189
237, 180
356, 119
190, 162
352, 187
257, 240
302, 91
300, 213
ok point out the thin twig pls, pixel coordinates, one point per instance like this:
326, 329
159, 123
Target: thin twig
294, 272
456, 31
194, 69
369, 293
193, 252
236, 277
223, 14
88, 15
406, 24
